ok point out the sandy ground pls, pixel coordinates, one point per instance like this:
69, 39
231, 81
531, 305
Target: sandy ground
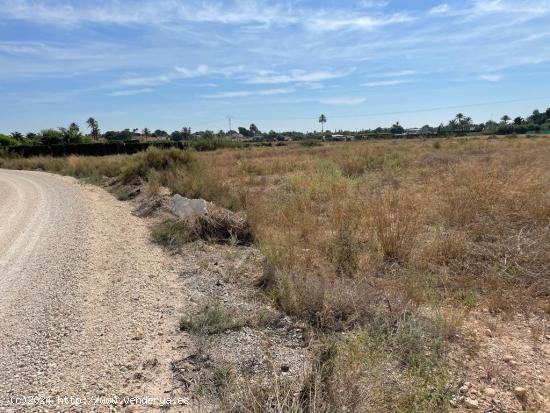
88, 305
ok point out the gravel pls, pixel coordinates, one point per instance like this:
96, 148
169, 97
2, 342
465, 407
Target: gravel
88, 305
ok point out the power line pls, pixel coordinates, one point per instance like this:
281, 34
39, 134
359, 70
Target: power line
471, 105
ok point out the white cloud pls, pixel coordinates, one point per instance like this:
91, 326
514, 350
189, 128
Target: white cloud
181, 73
441, 9
173, 13
491, 77
373, 4
147, 80
130, 92
271, 92
294, 76
488, 6
201, 70
247, 93
147, 11
402, 73
480, 8
333, 23
524, 8
343, 101
23, 48
311, 86
392, 82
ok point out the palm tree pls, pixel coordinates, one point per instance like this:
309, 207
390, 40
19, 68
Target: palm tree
505, 119
91, 122
452, 124
146, 132
467, 122
94, 126
17, 136
322, 121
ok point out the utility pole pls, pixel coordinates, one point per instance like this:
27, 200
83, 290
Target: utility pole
229, 118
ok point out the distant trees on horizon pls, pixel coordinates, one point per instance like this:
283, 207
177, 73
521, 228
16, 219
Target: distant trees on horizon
460, 124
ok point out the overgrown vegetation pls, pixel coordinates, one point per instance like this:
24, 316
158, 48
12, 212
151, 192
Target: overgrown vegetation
372, 239
173, 233
213, 318
139, 166
352, 374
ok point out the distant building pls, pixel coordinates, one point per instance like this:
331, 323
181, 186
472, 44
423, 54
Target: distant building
150, 138
235, 135
412, 132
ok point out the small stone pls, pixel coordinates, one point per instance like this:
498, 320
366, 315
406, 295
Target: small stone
489, 392
463, 389
139, 334
520, 392
507, 358
471, 403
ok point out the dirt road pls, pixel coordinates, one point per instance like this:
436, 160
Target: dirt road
88, 306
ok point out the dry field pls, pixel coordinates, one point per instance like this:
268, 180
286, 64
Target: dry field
417, 266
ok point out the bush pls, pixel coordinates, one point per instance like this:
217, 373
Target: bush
213, 143
163, 160
7, 141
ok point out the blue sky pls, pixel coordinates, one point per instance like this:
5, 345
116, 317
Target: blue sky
173, 63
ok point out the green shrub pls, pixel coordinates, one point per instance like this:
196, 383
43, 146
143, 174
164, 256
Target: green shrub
164, 160
7, 141
213, 143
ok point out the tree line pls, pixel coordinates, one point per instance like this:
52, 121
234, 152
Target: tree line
459, 125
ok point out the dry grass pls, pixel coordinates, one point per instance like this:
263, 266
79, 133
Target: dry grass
367, 238
473, 215
392, 366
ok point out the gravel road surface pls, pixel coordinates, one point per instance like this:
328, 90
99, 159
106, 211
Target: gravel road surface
88, 305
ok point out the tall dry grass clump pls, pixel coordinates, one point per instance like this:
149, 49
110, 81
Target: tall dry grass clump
395, 224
